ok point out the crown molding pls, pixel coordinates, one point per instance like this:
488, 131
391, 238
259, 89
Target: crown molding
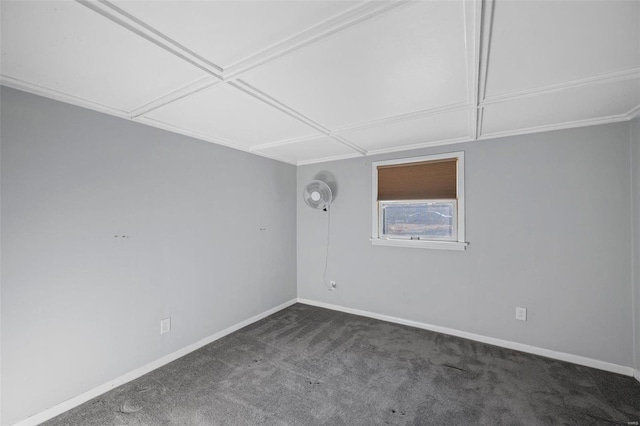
175, 95
224, 142
478, 23
560, 126
133, 24
613, 77
355, 15
18, 84
181, 130
83, 103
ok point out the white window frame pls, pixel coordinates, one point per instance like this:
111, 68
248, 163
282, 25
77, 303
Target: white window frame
376, 225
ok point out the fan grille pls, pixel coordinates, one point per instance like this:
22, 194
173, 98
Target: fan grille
317, 194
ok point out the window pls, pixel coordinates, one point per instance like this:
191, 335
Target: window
419, 202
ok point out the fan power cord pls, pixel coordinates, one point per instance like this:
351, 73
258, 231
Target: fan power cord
326, 258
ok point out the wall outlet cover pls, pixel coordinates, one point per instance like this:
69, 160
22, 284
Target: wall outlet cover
521, 314
165, 325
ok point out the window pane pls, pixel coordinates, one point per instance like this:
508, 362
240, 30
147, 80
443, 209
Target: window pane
424, 219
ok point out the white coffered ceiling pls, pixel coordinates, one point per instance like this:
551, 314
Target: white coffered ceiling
308, 81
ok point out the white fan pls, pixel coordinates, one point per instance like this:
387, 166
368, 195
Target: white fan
317, 195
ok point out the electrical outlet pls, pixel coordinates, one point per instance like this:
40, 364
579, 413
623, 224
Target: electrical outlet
165, 325
332, 285
521, 314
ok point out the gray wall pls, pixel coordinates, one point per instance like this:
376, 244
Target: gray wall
548, 220
80, 307
635, 195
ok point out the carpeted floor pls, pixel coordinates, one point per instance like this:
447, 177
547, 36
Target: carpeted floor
310, 366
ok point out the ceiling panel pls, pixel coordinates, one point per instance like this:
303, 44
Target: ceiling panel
226, 31
440, 127
314, 149
406, 59
68, 48
578, 103
377, 68
227, 113
538, 43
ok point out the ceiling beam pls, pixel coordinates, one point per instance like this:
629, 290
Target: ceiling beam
351, 17
613, 77
484, 22
258, 94
184, 91
133, 24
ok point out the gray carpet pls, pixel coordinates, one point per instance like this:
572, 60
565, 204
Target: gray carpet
311, 366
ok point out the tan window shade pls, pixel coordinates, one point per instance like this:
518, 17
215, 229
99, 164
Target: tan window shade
418, 181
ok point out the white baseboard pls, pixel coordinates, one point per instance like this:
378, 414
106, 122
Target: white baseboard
86, 396
562, 356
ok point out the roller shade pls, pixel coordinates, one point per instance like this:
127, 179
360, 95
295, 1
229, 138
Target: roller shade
418, 181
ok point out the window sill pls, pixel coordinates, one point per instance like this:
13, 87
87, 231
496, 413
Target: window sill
439, 245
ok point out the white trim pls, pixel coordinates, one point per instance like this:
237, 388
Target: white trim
613, 77
559, 126
18, 84
484, 22
223, 142
479, 122
131, 23
351, 145
83, 103
262, 96
473, 34
548, 353
428, 244
477, 46
177, 129
636, 373
175, 95
353, 16
248, 89
132, 375
486, 31
460, 244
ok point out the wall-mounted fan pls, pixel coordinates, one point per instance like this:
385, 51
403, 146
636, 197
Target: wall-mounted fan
317, 195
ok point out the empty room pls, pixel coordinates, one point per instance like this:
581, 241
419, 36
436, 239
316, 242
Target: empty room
332, 212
